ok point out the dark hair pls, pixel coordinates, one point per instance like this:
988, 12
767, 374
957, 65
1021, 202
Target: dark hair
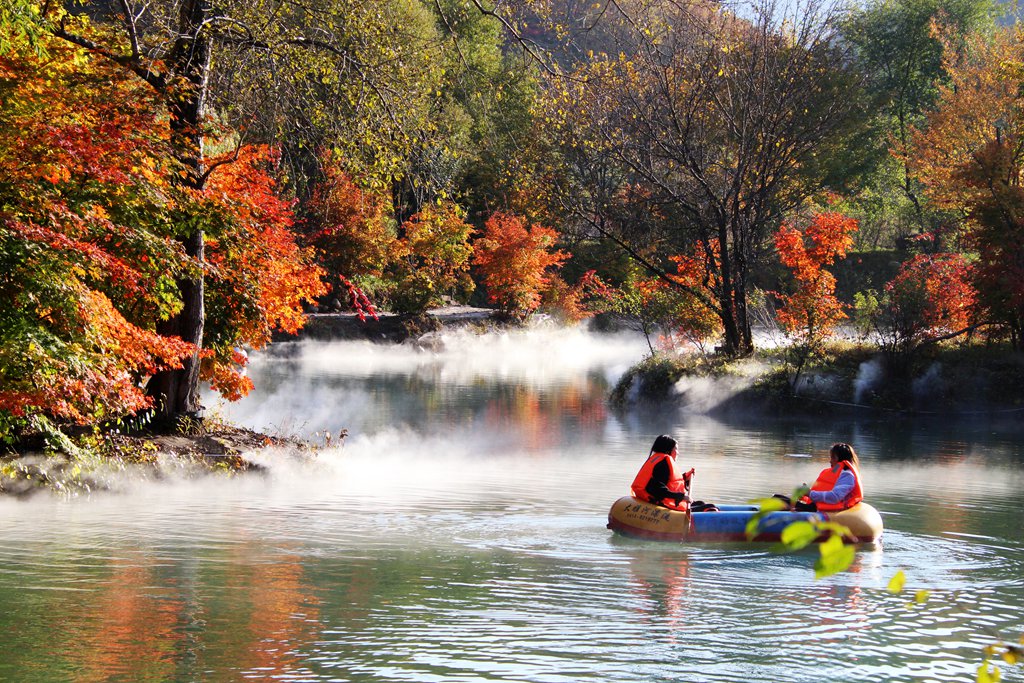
844, 451
663, 444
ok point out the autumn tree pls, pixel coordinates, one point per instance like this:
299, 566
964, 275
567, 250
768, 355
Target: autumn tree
810, 312
580, 300
899, 46
258, 277
724, 119
931, 299
87, 267
432, 259
263, 70
676, 312
351, 227
969, 158
90, 220
515, 261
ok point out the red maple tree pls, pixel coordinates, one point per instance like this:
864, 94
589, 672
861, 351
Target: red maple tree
515, 262
810, 313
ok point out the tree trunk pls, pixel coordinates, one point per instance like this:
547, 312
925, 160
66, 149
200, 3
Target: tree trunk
176, 392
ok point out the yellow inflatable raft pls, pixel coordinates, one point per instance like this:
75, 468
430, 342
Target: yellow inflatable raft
632, 517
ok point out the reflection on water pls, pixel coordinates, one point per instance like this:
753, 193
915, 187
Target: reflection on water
458, 535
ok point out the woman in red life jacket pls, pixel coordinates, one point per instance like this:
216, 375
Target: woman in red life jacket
660, 481
838, 486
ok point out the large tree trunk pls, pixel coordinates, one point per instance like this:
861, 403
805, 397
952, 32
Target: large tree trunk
176, 392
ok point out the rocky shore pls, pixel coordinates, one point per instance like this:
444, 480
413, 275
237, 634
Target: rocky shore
80, 463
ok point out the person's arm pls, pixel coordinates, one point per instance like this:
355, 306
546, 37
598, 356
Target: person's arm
657, 488
839, 492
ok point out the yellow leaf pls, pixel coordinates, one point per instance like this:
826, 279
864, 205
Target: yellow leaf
897, 582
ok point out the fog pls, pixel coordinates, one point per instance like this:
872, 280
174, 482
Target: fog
445, 380
537, 356
508, 416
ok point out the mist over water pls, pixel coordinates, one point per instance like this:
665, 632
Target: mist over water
458, 534
366, 387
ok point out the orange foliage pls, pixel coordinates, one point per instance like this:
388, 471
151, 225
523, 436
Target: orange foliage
979, 103
107, 384
87, 267
258, 276
348, 226
694, 318
589, 296
968, 156
432, 258
514, 261
812, 311
929, 298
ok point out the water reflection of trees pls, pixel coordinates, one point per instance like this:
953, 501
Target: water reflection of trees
146, 621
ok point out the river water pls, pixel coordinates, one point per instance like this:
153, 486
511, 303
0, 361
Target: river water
458, 534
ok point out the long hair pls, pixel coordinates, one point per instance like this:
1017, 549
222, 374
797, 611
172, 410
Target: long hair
844, 451
663, 444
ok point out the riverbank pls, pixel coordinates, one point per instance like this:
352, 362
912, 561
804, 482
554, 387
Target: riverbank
75, 460
82, 462
847, 379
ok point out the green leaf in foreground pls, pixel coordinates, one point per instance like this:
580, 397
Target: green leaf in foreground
765, 506
896, 583
835, 557
799, 535
987, 675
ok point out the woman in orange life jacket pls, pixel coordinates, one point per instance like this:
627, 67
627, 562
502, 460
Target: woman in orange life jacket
838, 485
659, 480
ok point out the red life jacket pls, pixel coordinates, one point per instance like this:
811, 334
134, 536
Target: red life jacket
827, 481
676, 482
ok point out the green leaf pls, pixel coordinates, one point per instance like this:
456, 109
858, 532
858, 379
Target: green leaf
753, 524
835, 557
770, 504
986, 675
799, 535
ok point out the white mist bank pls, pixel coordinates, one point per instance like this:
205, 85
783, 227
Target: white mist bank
308, 387
536, 355
479, 470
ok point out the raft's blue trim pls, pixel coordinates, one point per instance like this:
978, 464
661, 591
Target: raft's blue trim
731, 522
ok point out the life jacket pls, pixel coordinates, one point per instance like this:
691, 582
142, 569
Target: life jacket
827, 481
676, 482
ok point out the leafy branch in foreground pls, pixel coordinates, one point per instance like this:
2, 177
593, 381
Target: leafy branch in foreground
834, 554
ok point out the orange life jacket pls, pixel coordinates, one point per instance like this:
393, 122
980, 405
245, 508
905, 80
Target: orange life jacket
676, 482
827, 481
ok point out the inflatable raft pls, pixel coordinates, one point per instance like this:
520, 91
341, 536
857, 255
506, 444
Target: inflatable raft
632, 517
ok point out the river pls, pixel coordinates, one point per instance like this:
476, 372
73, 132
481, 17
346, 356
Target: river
458, 534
